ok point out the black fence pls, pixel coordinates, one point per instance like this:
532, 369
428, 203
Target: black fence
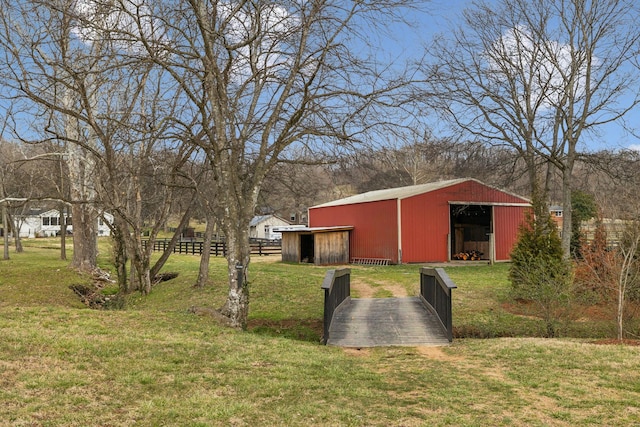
218, 248
337, 290
435, 289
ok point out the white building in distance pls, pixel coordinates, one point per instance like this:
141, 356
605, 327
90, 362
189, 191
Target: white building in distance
47, 224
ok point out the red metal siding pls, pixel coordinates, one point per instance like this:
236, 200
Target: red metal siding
475, 192
375, 233
507, 220
425, 223
425, 227
425, 220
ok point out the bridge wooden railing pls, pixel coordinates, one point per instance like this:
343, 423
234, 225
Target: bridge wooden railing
337, 290
435, 290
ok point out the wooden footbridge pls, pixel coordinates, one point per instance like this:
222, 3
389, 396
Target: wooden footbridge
372, 322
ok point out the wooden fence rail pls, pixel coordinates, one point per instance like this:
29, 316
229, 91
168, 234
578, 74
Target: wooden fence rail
258, 247
435, 290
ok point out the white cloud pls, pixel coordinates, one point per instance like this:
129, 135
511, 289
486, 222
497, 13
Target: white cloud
123, 23
267, 52
634, 147
541, 68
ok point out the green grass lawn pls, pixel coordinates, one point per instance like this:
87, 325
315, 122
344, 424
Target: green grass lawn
155, 363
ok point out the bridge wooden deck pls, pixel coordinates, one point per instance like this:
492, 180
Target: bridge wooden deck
373, 322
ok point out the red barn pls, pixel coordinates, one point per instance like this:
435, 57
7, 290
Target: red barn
432, 222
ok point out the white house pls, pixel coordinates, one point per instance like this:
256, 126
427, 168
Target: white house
47, 224
262, 227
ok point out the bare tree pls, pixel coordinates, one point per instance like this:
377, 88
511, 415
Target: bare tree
614, 174
20, 182
5, 188
539, 77
609, 264
206, 199
628, 278
291, 187
258, 78
110, 109
412, 162
40, 58
610, 259
252, 80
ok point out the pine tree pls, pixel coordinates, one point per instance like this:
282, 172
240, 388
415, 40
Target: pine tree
538, 271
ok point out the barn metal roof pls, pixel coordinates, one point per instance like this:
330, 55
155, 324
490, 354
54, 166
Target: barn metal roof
392, 193
402, 193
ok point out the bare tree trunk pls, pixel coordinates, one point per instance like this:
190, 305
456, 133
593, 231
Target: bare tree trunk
120, 257
203, 273
620, 312
142, 271
133, 281
140, 264
169, 250
237, 306
63, 234
15, 227
82, 190
238, 256
629, 274
5, 231
85, 246
567, 212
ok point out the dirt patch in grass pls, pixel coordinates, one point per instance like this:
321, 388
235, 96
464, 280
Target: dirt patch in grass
520, 309
365, 290
266, 258
362, 289
436, 353
398, 291
357, 352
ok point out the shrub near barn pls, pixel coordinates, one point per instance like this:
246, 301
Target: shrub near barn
539, 273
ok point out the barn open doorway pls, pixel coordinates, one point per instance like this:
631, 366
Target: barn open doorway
471, 227
307, 248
